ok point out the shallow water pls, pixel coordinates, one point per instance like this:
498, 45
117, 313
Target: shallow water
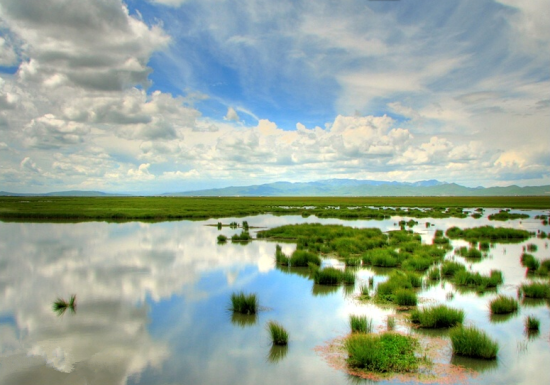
152, 305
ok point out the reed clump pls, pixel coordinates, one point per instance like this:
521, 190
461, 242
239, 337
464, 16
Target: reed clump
471, 342
279, 335
535, 290
360, 324
244, 303
503, 305
440, 316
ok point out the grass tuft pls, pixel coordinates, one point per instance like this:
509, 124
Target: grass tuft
532, 323
279, 335
360, 324
536, 290
243, 303
503, 305
382, 353
440, 316
471, 342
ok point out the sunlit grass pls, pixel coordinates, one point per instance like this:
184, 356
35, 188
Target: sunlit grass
360, 324
278, 334
471, 342
244, 303
503, 305
440, 316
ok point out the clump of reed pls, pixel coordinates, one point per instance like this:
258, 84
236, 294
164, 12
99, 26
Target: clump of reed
471, 342
399, 289
390, 323
535, 290
333, 276
351, 261
450, 268
532, 247
382, 353
503, 305
360, 324
222, 238
434, 274
532, 326
279, 335
440, 316
244, 236
529, 261
60, 305
470, 253
381, 258
244, 303
301, 258
477, 280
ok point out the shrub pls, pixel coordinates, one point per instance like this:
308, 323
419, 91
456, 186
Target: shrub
279, 336
503, 305
388, 352
244, 304
437, 317
471, 342
360, 324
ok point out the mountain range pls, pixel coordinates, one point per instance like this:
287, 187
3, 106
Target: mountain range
337, 187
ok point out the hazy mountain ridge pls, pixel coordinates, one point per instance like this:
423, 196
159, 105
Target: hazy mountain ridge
334, 187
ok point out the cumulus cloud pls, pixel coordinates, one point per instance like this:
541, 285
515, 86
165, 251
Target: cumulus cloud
232, 115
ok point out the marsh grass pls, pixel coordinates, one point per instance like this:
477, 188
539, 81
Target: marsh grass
434, 274
302, 258
440, 316
278, 334
333, 276
277, 353
382, 353
529, 261
244, 236
360, 324
535, 290
503, 305
532, 323
390, 323
60, 306
244, 303
471, 342
406, 297
450, 268
222, 238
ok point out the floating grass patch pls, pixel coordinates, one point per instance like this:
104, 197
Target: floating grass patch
440, 316
278, 334
450, 268
222, 238
535, 290
529, 261
469, 253
477, 280
301, 258
490, 233
244, 236
503, 305
532, 325
360, 324
405, 297
504, 215
333, 276
471, 342
384, 353
244, 303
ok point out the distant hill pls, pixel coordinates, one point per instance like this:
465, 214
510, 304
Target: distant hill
73, 193
353, 187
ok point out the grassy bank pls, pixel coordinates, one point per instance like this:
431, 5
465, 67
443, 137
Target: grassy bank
175, 208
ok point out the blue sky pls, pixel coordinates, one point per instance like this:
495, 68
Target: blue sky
170, 95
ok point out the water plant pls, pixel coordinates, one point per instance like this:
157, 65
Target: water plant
529, 261
244, 303
222, 238
434, 274
471, 342
535, 290
244, 236
382, 353
405, 297
333, 276
503, 305
440, 316
532, 323
490, 233
279, 335
390, 323
360, 324
301, 258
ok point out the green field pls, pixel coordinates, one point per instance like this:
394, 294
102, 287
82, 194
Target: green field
176, 208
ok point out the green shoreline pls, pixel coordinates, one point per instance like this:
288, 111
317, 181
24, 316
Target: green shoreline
117, 209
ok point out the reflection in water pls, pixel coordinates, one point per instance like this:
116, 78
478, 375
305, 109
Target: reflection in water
501, 318
60, 306
152, 306
477, 365
277, 353
244, 320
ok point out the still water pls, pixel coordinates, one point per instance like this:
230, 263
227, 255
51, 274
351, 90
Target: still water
152, 306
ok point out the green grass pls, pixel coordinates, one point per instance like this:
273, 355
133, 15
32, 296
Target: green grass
440, 316
503, 305
405, 297
244, 236
244, 303
382, 353
222, 238
333, 276
477, 280
488, 233
532, 323
360, 324
177, 208
450, 268
535, 290
434, 274
529, 261
301, 258
279, 335
471, 342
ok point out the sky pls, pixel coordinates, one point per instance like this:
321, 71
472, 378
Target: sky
153, 96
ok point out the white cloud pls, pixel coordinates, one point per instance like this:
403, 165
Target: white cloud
232, 115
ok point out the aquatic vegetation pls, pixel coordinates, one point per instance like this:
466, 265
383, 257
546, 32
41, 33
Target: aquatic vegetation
504, 215
440, 316
477, 280
544, 268
382, 353
277, 353
279, 335
494, 234
471, 342
535, 290
470, 253
222, 238
405, 297
390, 323
503, 305
529, 261
450, 268
531, 247
60, 305
434, 274
350, 261
360, 324
333, 276
381, 258
301, 258
244, 303
532, 323
244, 236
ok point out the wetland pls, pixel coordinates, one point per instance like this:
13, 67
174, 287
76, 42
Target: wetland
150, 301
